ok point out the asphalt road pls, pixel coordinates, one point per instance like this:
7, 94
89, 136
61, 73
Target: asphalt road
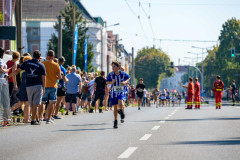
170, 133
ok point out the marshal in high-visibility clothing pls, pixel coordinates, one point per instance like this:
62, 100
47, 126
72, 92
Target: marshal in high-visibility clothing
218, 88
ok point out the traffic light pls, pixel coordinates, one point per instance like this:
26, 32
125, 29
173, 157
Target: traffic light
172, 65
232, 52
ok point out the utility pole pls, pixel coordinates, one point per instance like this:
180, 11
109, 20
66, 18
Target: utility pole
19, 25
133, 67
73, 33
202, 69
59, 36
102, 48
3, 9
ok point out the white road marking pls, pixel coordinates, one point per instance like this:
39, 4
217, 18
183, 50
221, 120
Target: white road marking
170, 115
162, 122
166, 117
145, 137
155, 128
128, 152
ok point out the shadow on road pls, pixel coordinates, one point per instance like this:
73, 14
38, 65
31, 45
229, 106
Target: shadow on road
76, 130
221, 142
175, 120
205, 119
99, 124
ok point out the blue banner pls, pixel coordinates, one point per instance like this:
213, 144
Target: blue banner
85, 53
75, 44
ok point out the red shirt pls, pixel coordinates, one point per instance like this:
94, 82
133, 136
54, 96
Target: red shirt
9, 65
197, 89
218, 86
191, 88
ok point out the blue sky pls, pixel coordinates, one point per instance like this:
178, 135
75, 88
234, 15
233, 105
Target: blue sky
170, 19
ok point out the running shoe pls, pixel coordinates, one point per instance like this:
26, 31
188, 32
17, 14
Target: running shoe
139, 108
100, 111
91, 111
74, 113
49, 121
66, 113
115, 124
34, 123
57, 117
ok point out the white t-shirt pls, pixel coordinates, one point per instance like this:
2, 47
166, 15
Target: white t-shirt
91, 86
2, 63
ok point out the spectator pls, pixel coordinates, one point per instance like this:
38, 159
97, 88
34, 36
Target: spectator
22, 95
73, 87
61, 91
4, 92
11, 64
53, 74
35, 82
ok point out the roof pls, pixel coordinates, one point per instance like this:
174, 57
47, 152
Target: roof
48, 10
182, 68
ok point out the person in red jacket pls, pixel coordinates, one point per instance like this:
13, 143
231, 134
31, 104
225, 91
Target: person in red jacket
190, 93
218, 88
197, 88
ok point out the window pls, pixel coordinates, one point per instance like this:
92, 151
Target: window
35, 31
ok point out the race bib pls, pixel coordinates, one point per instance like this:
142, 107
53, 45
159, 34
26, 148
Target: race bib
156, 93
140, 90
118, 89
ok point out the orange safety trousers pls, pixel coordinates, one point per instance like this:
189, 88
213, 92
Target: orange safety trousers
197, 101
218, 99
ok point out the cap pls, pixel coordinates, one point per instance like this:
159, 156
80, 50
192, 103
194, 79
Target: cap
233, 80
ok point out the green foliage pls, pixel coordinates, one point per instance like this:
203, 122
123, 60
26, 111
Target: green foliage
1, 17
150, 64
219, 60
67, 39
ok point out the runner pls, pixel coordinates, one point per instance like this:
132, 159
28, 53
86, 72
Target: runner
99, 92
140, 88
118, 79
132, 94
179, 98
233, 90
163, 97
155, 96
167, 98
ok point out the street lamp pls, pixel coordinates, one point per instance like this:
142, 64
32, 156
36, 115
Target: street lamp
117, 24
202, 62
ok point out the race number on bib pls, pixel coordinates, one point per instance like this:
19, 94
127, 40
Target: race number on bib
118, 89
140, 90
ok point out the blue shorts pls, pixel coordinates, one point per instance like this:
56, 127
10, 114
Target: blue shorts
49, 94
86, 96
168, 97
114, 100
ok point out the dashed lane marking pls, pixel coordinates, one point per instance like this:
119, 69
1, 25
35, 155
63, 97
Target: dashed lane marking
128, 152
145, 137
155, 128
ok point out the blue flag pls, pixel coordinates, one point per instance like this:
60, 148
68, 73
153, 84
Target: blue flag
85, 53
75, 44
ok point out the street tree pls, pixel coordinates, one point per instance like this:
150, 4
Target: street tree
67, 33
150, 64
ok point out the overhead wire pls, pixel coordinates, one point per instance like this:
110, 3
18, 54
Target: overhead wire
138, 17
